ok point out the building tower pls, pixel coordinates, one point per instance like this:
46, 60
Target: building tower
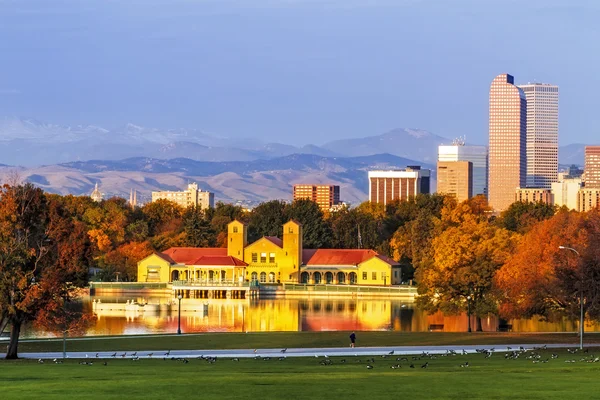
588, 197
507, 141
326, 196
96, 195
237, 239
388, 186
477, 155
542, 134
292, 245
455, 178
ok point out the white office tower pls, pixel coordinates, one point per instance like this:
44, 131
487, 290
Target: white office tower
477, 155
542, 134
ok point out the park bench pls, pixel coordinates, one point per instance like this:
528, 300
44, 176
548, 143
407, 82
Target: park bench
436, 327
504, 328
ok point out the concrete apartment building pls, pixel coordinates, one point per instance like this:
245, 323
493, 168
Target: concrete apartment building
455, 178
542, 134
589, 195
387, 186
326, 196
190, 197
507, 141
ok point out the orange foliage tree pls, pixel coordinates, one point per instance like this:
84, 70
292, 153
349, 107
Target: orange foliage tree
542, 279
44, 255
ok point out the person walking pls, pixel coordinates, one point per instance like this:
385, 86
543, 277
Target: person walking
352, 339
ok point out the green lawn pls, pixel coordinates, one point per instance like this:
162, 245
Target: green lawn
298, 339
305, 378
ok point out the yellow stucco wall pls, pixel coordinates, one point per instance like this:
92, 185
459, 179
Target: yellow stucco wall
237, 239
267, 248
153, 263
374, 271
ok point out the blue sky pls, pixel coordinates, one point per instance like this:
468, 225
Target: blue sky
295, 71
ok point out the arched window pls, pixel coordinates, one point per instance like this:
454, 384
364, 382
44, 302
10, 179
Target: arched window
175, 275
328, 278
352, 278
263, 277
304, 277
272, 277
341, 277
254, 276
317, 277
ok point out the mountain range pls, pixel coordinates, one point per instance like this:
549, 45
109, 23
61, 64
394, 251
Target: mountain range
71, 159
250, 181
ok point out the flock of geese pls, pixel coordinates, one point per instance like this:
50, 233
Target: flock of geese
535, 355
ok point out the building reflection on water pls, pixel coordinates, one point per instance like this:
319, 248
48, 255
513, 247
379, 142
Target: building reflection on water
314, 314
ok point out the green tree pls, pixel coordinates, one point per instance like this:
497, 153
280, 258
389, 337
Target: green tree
522, 216
267, 219
197, 229
316, 231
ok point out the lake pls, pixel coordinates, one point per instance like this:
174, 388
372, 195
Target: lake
314, 314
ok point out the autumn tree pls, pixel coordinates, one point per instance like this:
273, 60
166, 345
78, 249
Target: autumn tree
124, 259
44, 253
466, 258
542, 279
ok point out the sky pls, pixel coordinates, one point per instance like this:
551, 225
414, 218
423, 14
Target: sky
295, 71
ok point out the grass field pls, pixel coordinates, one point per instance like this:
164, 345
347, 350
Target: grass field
297, 339
305, 378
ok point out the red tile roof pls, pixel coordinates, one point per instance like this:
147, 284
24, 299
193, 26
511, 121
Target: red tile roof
275, 240
388, 260
341, 257
228, 261
165, 257
187, 255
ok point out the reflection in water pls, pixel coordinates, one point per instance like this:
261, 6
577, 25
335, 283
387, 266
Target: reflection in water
314, 314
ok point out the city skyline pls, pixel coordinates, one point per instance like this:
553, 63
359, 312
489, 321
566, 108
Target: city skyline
298, 70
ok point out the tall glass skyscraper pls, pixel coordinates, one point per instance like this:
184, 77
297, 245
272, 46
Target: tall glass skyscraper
508, 138
542, 134
477, 155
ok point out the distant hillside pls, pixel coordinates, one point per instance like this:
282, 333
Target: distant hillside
29, 142
256, 181
417, 144
572, 154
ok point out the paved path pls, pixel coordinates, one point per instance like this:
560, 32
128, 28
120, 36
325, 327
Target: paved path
291, 352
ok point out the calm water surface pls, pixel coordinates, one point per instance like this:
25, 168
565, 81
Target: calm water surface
265, 315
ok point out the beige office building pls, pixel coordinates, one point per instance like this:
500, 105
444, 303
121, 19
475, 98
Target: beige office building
542, 134
455, 178
565, 192
387, 186
534, 195
190, 197
507, 142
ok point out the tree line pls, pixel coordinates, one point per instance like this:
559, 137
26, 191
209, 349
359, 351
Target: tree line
458, 254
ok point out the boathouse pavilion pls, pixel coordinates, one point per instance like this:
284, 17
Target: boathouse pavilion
269, 260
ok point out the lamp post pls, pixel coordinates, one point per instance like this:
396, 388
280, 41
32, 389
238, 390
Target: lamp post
179, 315
469, 312
581, 320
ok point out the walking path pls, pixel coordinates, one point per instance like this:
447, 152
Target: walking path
291, 352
